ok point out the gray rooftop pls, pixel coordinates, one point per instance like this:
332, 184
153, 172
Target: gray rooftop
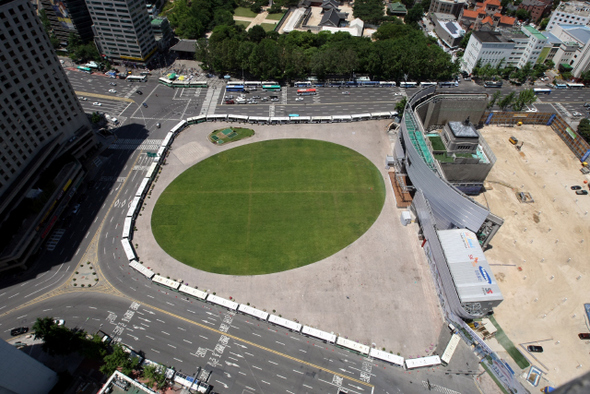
581, 34
469, 268
185, 46
462, 130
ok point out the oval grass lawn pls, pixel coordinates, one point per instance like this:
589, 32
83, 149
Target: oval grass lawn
268, 206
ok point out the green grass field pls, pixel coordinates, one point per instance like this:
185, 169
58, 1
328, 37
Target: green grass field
243, 23
275, 17
268, 207
242, 11
268, 26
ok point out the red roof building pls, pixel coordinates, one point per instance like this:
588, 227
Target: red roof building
485, 16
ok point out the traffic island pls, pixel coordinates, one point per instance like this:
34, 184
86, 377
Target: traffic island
229, 134
85, 275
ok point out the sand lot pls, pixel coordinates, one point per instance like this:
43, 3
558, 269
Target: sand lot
376, 290
540, 255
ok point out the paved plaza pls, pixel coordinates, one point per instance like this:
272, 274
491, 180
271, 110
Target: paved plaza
378, 290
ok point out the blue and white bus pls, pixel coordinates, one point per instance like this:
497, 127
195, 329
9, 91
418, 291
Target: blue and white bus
450, 84
408, 85
426, 84
542, 91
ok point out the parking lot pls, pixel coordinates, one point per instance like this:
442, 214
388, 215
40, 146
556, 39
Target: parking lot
539, 256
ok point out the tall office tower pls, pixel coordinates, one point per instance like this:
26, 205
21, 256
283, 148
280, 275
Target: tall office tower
122, 30
44, 134
68, 16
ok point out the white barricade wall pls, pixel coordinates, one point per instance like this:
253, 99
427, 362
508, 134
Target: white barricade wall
128, 249
253, 311
279, 321
166, 282
127, 227
151, 170
352, 345
223, 302
422, 362
194, 292
142, 187
133, 206
391, 358
148, 273
323, 335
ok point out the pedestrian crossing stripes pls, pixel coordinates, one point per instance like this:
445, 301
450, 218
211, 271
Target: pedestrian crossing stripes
54, 239
141, 168
112, 179
440, 389
134, 144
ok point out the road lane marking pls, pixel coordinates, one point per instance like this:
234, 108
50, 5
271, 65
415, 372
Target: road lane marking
164, 332
154, 350
177, 359
249, 354
272, 362
182, 329
299, 372
280, 343
204, 337
281, 376
264, 381
147, 336
187, 341
254, 366
172, 346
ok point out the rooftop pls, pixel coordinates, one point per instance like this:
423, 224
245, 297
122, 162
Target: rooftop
534, 32
579, 33
574, 7
460, 129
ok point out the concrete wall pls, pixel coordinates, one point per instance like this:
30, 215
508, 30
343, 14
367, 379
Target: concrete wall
445, 108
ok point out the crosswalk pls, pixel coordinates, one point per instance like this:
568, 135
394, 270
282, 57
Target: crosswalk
133, 144
54, 239
440, 389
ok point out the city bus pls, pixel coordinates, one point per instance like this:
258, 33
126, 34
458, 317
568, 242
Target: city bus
387, 84
427, 84
85, 69
271, 88
492, 84
302, 84
235, 88
451, 84
306, 92
165, 81
137, 78
542, 91
560, 85
407, 85
575, 85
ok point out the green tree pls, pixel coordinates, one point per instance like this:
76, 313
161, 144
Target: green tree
522, 14
118, 359
556, 4
370, 11
494, 98
256, 34
584, 129
544, 23
465, 40
414, 15
400, 106
154, 377
425, 4
525, 97
550, 64
42, 327
507, 101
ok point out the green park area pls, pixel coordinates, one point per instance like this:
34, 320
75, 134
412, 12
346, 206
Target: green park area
243, 11
230, 134
268, 26
268, 207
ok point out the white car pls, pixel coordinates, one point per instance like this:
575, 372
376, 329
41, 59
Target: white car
576, 114
83, 99
298, 98
112, 91
59, 322
113, 84
96, 103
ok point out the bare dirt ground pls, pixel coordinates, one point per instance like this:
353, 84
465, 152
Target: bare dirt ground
376, 290
540, 255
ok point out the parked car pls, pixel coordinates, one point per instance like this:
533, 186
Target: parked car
587, 104
576, 114
113, 84
576, 187
19, 331
59, 322
112, 91
76, 209
83, 98
139, 92
346, 92
96, 103
584, 335
230, 101
582, 192
298, 98
535, 349
145, 105
158, 125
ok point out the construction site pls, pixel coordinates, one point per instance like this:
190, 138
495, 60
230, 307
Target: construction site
539, 255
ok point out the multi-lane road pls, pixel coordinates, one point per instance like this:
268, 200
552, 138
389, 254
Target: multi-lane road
245, 355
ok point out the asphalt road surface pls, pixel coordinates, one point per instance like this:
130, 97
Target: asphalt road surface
244, 354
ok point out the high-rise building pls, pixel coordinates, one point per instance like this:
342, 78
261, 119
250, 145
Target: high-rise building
68, 16
122, 30
43, 135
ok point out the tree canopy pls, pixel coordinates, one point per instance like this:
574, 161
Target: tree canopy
398, 49
191, 19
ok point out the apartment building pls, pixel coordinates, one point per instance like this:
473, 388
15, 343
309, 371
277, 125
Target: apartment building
68, 16
574, 51
453, 7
